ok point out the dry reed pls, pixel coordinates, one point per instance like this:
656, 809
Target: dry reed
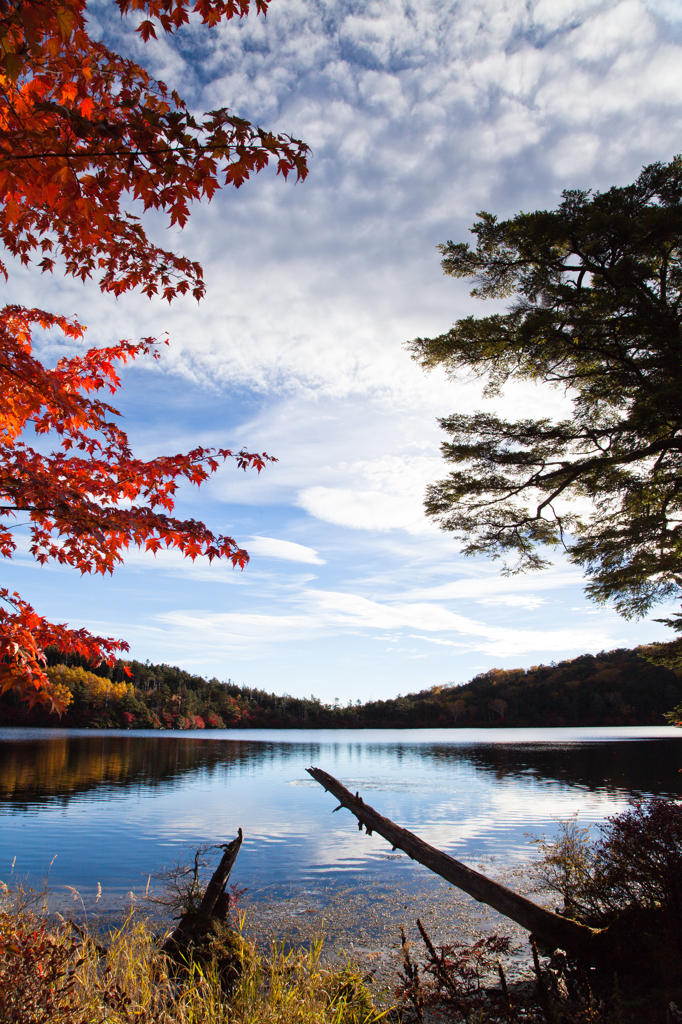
54, 972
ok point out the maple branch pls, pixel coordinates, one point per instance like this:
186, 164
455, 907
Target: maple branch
10, 509
106, 154
101, 132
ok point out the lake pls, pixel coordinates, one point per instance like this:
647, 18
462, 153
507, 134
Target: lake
115, 807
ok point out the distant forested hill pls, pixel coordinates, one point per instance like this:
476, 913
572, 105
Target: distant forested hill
614, 688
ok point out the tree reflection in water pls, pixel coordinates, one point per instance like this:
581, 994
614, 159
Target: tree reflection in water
56, 766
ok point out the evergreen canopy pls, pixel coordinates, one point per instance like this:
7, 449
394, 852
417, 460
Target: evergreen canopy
597, 288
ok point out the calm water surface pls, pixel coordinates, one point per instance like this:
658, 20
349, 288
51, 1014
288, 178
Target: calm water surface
114, 807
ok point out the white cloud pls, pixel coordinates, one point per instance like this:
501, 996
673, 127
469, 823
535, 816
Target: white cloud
575, 153
394, 498
239, 629
328, 613
612, 32
489, 582
417, 118
668, 9
556, 14
352, 608
528, 601
364, 510
434, 640
288, 551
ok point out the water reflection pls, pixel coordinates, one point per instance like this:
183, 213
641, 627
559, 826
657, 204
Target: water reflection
63, 766
58, 766
636, 768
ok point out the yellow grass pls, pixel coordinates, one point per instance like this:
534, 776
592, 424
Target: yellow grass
51, 974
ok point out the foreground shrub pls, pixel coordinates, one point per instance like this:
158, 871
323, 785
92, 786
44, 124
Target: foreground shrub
37, 973
58, 974
467, 984
634, 867
628, 880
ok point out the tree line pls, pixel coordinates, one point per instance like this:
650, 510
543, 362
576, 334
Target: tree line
612, 688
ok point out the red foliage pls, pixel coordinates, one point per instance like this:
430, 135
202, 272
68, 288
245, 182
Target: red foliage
90, 499
24, 635
82, 132
236, 713
37, 973
82, 129
456, 975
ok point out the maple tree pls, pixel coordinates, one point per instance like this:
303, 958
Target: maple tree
84, 133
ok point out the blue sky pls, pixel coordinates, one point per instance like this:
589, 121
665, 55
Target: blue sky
419, 115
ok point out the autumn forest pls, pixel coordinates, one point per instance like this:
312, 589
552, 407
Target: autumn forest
615, 688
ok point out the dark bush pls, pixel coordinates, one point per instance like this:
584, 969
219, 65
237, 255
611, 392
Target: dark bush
634, 866
638, 862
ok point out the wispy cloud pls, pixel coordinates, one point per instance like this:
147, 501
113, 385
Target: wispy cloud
285, 550
328, 613
528, 601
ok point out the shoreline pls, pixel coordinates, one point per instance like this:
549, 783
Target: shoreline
363, 926
359, 924
647, 731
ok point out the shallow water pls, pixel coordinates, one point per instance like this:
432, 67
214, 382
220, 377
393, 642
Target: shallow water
113, 807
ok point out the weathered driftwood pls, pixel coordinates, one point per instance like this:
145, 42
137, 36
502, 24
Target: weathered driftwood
551, 928
194, 926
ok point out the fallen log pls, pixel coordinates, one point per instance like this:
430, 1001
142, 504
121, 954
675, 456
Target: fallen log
558, 932
194, 926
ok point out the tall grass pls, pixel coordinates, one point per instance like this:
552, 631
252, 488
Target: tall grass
57, 973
